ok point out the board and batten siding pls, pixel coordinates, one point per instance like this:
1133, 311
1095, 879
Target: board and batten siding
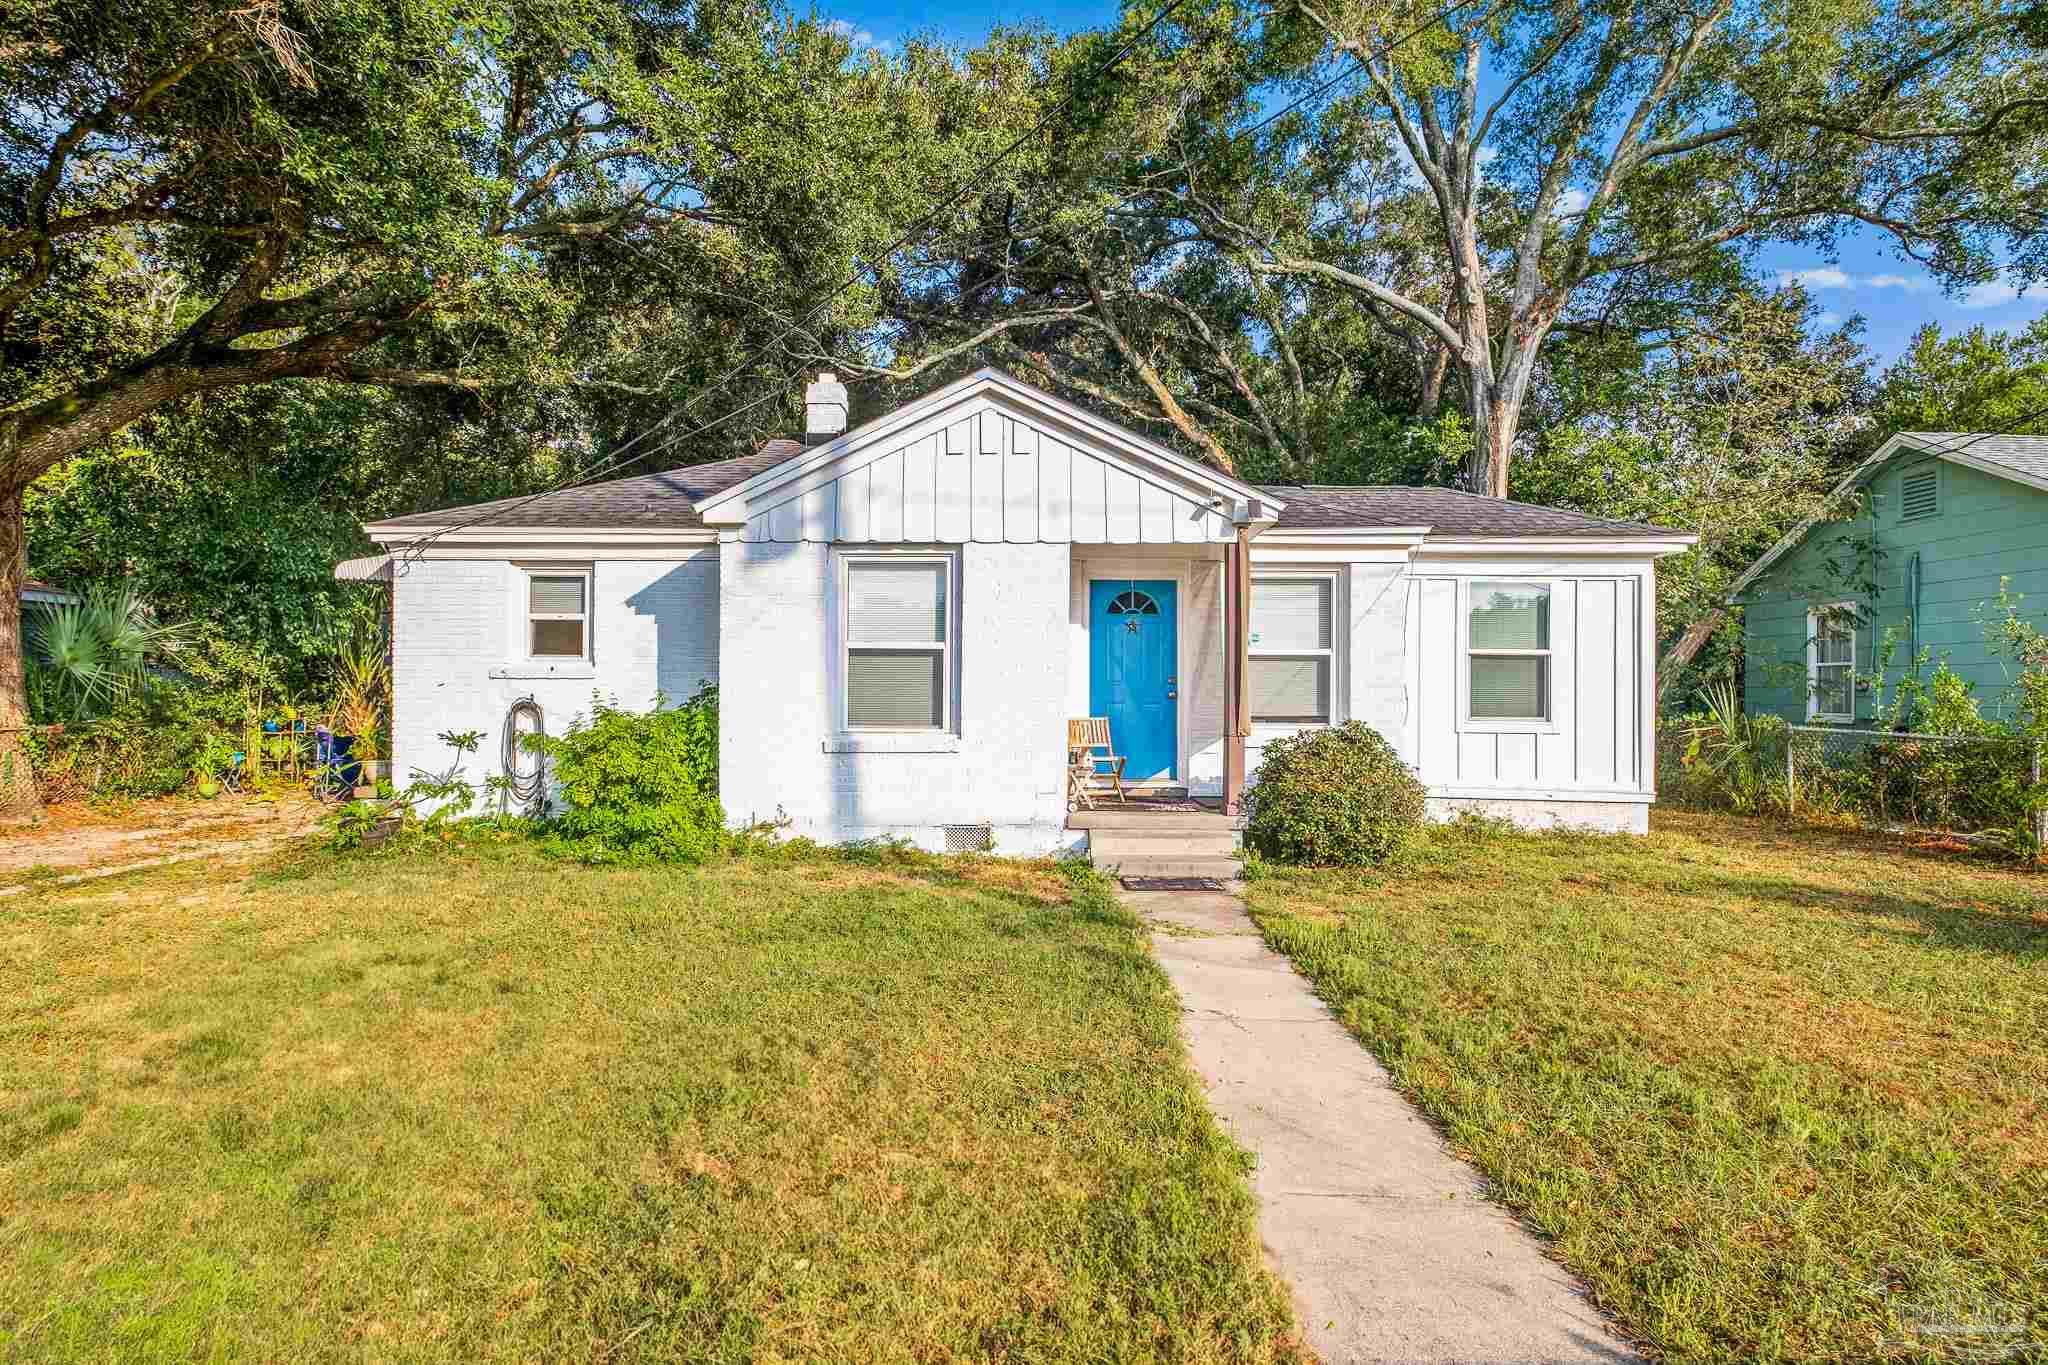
988, 478
1593, 742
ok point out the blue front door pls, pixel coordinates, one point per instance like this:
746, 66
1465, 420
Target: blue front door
1133, 672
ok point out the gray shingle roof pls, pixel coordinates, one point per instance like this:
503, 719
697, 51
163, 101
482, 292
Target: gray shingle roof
663, 501
1446, 511
2026, 455
647, 501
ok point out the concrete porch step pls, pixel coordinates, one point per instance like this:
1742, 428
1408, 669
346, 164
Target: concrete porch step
1150, 821
1151, 843
1166, 865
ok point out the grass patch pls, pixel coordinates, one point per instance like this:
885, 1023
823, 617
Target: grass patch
474, 1104
1777, 1094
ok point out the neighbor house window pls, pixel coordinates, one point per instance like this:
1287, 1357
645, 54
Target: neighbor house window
1831, 662
558, 613
898, 644
1508, 647
1291, 654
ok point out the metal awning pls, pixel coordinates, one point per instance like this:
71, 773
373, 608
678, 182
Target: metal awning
368, 569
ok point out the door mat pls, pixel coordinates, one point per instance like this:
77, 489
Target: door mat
1171, 884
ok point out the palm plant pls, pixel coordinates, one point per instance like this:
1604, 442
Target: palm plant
362, 689
1731, 756
93, 652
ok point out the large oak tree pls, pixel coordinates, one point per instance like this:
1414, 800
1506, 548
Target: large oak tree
436, 193
1567, 155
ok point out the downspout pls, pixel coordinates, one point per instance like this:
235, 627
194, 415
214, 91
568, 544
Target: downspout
1913, 611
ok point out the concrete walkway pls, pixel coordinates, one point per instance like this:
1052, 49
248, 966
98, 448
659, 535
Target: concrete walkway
1391, 1247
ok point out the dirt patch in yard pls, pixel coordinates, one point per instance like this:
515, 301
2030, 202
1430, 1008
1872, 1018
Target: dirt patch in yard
82, 837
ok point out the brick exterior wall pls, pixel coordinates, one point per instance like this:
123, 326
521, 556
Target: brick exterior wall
783, 754
456, 621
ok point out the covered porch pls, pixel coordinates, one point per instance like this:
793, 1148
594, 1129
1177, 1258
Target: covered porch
1157, 657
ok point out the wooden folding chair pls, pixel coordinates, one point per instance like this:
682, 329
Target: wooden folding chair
1088, 748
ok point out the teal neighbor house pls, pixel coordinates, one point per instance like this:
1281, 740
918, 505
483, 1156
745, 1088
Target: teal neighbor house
1945, 518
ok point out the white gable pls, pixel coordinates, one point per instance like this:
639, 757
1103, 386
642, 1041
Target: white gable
986, 460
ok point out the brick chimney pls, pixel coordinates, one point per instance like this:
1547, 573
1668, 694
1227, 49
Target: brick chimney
824, 409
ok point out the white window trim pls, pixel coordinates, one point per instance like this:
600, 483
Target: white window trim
1334, 579
527, 616
1814, 618
949, 648
1506, 725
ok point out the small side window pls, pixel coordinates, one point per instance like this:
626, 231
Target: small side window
1508, 644
1831, 663
557, 614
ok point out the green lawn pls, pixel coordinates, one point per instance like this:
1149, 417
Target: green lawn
471, 1104
1777, 1094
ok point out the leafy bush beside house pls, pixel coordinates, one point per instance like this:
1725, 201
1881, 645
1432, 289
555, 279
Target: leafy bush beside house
1332, 798
639, 786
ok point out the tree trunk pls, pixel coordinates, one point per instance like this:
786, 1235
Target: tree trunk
18, 798
1681, 654
1432, 365
1496, 413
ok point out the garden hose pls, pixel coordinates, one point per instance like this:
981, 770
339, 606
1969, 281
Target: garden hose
530, 788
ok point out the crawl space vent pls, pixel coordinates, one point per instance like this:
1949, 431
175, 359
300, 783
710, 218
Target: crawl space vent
1918, 494
970, 838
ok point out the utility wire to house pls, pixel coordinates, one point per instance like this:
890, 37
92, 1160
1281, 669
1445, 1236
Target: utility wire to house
626, 453
949, 200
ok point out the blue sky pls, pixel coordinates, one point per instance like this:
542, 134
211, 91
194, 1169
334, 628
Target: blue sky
1894, 296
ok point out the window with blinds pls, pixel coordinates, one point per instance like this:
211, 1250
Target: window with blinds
1831, 663
898, 644
557, 614
1291, 650
1508, 652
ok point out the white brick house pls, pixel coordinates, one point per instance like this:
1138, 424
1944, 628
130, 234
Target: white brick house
902, 617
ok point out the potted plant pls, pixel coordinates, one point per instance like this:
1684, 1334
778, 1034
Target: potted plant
369, 756
215, 756
362, 678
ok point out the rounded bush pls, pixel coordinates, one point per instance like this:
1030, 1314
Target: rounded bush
1332, 798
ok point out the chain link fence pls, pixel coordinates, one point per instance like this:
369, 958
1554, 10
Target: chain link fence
1963, 783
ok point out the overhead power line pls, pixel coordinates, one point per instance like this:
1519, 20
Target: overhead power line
625, 454
949, 200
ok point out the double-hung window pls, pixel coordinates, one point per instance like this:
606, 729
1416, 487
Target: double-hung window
1831, 662
899, 644
1508, 652
1291, 666
557, 613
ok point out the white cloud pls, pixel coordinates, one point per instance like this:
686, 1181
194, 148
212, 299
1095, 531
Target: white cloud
1572, 203
1834, 277
1993, 293
1484, 155
1827, 319
856, 35
1819, 277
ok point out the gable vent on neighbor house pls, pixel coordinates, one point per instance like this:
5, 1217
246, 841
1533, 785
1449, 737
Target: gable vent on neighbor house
1919, 494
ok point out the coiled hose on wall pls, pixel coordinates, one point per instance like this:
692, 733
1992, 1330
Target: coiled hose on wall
528, 786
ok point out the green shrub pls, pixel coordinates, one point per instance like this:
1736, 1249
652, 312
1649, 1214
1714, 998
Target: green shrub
150, 741
639, 786
1724, 758
1332, 798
